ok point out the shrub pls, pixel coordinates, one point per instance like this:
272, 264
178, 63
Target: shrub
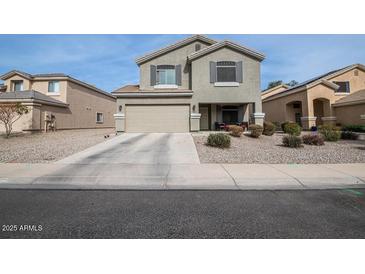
220, 140
256, 130
330, 133
269, 128
349, 135
313, 139
284, 124
292, 129
354, 128
277, 126
235, 131
292, 141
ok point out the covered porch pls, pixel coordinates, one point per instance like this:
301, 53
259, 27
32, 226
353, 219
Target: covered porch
213, 116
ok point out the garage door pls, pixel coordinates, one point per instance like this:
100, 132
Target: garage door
157, 118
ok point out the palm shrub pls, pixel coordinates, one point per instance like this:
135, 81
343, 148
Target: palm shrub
256, 130
220, 140
292, 129
235, 131
292, 141
269, 128
313, 139
330, 133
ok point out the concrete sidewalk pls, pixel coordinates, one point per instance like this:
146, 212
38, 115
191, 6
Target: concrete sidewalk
181, 176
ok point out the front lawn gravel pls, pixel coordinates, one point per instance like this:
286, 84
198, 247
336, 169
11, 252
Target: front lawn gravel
269, 150
50, 146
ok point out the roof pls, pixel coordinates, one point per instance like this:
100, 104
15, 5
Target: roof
174, 46
30, 95
53, 75
321, 79
127, 88
351, 99
266, 91
257, 55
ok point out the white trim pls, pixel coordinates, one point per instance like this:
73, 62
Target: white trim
161, 86
329, 118
308, 118
258, 115
119, 116
195, 116
226, 84
53, 93
341, 93
362, 116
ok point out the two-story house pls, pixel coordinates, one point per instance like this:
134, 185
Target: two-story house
336, 97
190, 86
68, 102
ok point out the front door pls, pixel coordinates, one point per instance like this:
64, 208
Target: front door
204, 119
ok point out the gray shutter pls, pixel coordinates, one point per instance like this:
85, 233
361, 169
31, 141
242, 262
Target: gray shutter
178, 75
213, 72
153, 75
239, 72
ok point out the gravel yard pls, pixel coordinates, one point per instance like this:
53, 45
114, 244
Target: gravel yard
268, 150
49, 147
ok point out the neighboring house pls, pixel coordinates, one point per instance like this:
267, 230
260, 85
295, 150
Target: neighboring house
191, 85
72, 103
271, 91
329, 98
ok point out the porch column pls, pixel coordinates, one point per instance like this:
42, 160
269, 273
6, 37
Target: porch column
119, 122
258, 118
195, 121
308, 122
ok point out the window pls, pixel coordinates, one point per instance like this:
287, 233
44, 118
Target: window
226, 71
165, 75
197, 47
344, 87
99, 118
53, 87
18, 85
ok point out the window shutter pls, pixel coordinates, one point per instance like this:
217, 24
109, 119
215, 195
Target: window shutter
347, 86
213, 72
178, 74
153, 75
239, 72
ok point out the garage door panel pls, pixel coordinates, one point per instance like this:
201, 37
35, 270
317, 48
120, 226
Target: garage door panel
157, 118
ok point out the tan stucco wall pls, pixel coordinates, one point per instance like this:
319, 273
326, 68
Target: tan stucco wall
350, 115
42, 86
26, 121
176, 57
247, 92
276, 110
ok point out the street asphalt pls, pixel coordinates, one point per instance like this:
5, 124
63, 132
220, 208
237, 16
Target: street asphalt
182, 214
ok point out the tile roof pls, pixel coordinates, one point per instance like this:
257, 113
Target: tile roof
353, 98
30, 95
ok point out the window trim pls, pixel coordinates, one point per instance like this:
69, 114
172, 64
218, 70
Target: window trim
227, 83
14, 82
53, 92
158, 84
102, 118
343, 92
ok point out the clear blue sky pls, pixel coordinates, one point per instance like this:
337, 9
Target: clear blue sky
107, 61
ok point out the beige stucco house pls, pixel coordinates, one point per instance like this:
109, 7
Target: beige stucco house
336, 97
191, 85
68, 102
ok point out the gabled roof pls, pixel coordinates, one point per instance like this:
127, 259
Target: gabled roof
321, 79
30, 95
174, 46
53, 75
357, 97
266, 91
257, 55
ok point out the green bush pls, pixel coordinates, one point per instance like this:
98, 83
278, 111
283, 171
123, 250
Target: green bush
292, 141
292, 129
269, 128
349, 135
235, 131
256, 130
313, 139
354, 128
330, 133
220, 140
277, 126
284, 124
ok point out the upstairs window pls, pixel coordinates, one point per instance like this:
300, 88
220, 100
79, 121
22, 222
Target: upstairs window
165, 75
53, 87
226, 71
99, 118
344, 87
17, 85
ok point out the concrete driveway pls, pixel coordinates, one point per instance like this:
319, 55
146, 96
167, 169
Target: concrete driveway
140, 148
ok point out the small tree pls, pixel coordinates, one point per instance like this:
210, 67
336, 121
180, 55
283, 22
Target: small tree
274, 84
292, 83
9, 114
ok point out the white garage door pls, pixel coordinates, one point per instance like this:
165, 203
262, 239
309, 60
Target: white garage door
157, 118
